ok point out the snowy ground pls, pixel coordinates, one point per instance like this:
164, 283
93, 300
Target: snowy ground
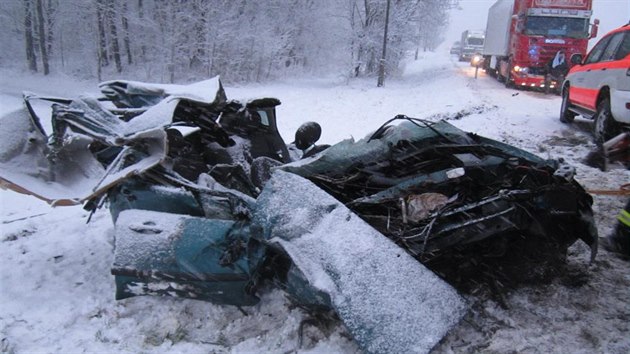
57, 295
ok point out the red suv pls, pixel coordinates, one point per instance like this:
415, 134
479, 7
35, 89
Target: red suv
598, 87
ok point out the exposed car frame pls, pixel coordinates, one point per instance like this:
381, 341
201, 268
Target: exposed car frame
209, 203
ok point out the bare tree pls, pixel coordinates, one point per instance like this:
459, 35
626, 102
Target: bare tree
198, 55
381, 66
431, 19
31, 57
243, 40
102, 43
50, 23
125, 24
42, 36
110, 15
143, 48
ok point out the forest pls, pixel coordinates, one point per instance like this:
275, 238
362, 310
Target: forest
177, 41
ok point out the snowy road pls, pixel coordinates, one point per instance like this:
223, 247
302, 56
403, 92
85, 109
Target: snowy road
57, 294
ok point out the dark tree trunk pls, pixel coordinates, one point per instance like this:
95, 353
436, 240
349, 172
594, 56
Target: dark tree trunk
113, 34
102, 43
366, 5
199, 51
381, 66
28, 33
126, 41
212, 57
42, 36
61, 56
50, 17
143, 48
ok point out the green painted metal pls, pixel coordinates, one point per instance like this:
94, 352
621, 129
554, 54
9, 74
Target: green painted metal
168, 254
138, 194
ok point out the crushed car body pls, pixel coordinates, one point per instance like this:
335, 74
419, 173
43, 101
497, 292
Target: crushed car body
209, 203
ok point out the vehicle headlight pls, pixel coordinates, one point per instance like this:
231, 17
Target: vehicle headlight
520, 69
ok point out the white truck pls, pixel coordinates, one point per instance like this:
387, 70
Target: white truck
471, 43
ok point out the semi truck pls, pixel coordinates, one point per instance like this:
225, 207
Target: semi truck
525, 39
471, 44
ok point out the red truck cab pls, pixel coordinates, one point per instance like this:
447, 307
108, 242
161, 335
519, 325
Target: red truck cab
541, 34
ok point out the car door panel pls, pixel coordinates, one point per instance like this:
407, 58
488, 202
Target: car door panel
584, 84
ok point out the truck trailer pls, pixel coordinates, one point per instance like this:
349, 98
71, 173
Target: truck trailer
526, 39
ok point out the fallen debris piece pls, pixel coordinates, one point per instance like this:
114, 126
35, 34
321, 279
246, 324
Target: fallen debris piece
388, 301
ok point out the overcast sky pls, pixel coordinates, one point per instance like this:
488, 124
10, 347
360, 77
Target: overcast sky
473, 14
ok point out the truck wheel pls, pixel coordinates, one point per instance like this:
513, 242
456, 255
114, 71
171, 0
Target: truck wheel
566, 116
605, 126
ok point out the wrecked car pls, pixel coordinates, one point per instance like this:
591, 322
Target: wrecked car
209, 203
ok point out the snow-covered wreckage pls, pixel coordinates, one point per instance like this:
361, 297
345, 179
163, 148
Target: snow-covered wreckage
209, 203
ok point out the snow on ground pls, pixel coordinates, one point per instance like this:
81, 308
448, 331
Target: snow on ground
57, 294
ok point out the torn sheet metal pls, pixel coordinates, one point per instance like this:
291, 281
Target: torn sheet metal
171, 254
389, 302
62, 170
449, 197
185, 176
